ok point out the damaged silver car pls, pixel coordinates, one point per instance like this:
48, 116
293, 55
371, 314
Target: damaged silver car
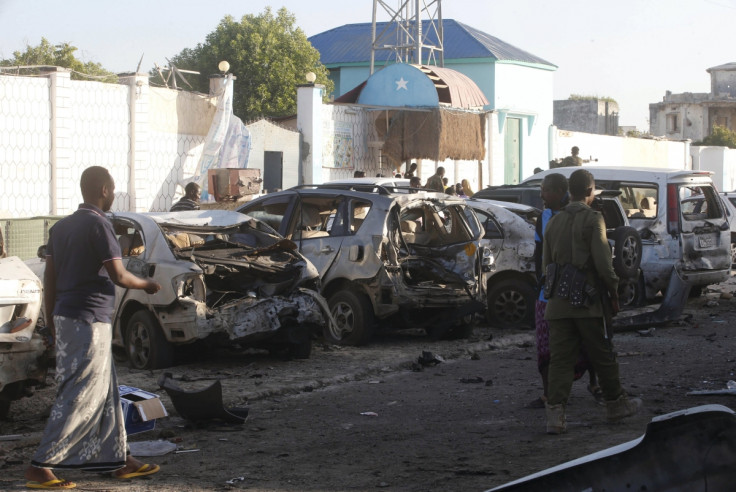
226, 278
511, 284
409, 258
24, 358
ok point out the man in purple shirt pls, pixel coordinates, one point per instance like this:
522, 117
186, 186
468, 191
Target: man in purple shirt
86, 429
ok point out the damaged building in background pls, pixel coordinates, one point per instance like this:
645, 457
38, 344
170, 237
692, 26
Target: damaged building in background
692, 115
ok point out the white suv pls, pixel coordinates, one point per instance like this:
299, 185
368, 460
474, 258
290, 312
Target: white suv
680, 217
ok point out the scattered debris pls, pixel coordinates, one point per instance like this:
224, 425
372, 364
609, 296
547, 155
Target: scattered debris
428, 359
233, 480
711, 303
369, 414
474, 380
151, 448
201, 405
726, 295
647, 333
474, 356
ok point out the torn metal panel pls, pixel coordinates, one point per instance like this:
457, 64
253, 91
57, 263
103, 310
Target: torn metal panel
200, 405
692, 449
671, 308
245, 318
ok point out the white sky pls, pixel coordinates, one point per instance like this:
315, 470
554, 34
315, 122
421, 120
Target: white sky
630, 50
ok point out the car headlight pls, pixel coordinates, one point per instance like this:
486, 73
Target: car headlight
189, 285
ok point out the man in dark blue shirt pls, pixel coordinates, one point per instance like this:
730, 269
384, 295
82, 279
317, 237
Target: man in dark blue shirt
190, 200
86, 428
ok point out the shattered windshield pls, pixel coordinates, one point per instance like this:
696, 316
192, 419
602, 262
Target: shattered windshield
252, 234
433, 224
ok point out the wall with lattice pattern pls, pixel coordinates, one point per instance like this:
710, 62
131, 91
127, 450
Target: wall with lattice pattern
52, 128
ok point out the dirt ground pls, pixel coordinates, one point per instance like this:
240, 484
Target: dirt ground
458, 425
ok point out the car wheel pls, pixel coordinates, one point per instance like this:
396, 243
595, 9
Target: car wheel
511, 303
353, 315
145, 343
630, 291
733, 253
626, 251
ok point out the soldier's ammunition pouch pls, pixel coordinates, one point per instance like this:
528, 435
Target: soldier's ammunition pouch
568, 282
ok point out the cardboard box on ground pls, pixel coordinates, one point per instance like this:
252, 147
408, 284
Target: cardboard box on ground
141, 409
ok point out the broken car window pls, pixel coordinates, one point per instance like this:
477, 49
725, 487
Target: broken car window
493, 231
271, 211
700, 203
639, 202
358, 212
130, 239
319, 217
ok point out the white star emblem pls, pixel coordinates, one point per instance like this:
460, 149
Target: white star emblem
401, 84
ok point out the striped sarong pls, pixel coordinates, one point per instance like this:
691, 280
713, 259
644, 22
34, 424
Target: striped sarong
86, 428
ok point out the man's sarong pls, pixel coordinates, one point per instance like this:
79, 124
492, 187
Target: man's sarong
86, 428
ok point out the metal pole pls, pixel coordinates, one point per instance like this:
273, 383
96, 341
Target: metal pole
373, 37
418, 33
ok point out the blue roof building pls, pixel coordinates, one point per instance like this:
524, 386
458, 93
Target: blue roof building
346, 52
517, 86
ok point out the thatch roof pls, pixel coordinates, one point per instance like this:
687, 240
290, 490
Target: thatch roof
437, 134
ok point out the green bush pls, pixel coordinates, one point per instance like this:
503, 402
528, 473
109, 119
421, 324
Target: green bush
719, 137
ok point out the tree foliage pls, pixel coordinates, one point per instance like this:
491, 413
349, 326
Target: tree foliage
268, 54
581, 97
719, 137
59, 55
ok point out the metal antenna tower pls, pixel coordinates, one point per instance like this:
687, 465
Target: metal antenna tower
406, 36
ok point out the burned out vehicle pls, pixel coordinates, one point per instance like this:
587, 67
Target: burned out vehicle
24, 358
225, 278
511, 285
410, 258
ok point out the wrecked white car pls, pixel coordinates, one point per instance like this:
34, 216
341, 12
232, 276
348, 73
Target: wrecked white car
24, 358
225, 278
410, 258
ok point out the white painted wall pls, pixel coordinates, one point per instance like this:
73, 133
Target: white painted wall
266, 136
721, 161
622, 151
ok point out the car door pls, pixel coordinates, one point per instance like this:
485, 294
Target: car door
318, 225
133, 251
705, 230
493, 236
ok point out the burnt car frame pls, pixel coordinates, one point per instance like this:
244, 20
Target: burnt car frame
408, 257
226, 279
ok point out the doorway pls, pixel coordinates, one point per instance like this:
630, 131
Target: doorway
273, 171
